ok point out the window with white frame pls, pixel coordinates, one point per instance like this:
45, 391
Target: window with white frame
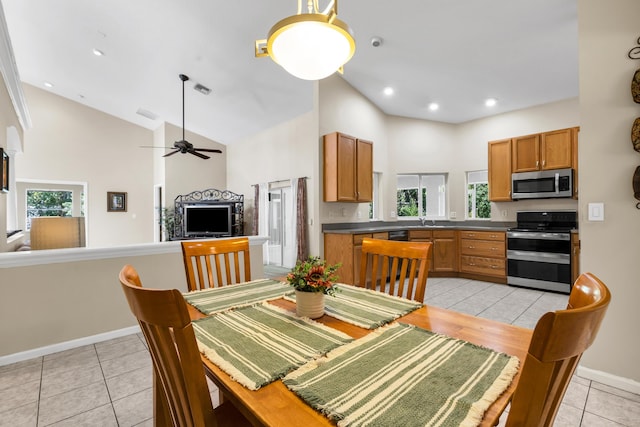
422, 195
478, 206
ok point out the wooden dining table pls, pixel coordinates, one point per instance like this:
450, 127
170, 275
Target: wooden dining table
275, 405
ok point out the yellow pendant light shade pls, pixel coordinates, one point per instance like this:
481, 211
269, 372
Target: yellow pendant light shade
310, 46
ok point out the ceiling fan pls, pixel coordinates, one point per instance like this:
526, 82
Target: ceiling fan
183, 146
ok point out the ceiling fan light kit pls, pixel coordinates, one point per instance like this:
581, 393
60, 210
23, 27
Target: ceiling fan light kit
312, 45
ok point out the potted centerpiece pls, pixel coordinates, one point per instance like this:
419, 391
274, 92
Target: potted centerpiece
312, 279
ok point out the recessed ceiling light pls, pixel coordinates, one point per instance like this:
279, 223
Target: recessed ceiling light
48, 84
490, 102
97, 52
388, 91
433, 106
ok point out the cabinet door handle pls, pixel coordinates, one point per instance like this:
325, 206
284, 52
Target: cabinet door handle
471, 247
537, 163
543, 163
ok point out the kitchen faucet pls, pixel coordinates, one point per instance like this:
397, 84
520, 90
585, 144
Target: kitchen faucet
422, 220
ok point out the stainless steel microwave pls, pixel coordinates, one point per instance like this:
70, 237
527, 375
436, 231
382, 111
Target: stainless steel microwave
542, 184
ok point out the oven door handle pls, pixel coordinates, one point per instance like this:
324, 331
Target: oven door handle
557, 181
539, 257
539, 236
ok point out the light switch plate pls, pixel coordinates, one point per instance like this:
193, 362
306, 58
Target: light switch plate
596, 212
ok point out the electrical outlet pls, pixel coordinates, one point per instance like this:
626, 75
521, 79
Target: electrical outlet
505, 213
453, 215
393, 214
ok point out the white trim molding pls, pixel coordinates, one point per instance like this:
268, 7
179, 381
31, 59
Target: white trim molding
611, 380
67, 345
9, 71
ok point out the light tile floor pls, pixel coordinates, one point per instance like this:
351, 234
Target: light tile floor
109, 383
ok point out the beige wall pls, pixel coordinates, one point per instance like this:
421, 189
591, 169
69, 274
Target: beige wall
56, 300
344, 109
608, 30
71, 142
184, 173
287, 151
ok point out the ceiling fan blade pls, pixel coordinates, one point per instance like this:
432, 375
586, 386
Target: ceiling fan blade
171, 153
208, 150
202, 156
155, 146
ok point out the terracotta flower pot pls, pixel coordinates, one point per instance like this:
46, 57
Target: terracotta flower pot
310, 304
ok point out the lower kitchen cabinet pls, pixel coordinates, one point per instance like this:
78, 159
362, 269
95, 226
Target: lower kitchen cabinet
444, 250
472, 254
347, 249
483, 253
444, 254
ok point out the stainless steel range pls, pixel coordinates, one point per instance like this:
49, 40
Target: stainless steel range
539, 250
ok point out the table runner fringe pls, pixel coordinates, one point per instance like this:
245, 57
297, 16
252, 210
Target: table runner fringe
477, 410
227, 367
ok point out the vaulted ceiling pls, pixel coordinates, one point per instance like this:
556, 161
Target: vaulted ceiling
454, 53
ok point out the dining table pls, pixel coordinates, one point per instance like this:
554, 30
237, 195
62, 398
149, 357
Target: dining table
275, 405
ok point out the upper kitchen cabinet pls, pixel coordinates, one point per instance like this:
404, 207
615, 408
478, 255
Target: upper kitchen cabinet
348, 169
500, 171
549, 150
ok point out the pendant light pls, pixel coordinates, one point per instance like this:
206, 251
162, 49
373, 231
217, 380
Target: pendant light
311, 45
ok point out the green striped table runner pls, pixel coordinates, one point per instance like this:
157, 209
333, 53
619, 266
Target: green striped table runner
214, 300
364, 307
259, 344
401, 375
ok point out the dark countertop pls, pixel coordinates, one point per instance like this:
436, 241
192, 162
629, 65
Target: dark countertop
381, 226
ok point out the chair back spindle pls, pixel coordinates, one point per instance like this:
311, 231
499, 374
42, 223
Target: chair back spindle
384, 260
215, 263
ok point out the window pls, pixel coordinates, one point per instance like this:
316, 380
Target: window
478, 206
422, 195
374, 206
48, 203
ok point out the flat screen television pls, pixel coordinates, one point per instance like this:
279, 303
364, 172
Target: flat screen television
207, 220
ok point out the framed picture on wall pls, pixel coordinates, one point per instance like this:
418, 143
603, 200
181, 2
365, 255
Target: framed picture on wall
116, 201
4, 170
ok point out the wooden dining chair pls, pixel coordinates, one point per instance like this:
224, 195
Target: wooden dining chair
383, 259
214, 263
181, 396
558, 341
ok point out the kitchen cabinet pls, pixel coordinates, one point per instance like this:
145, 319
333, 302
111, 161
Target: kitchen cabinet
423, 236
444, 250
347, 249
483, 253
548, 150
500, 171
347, 169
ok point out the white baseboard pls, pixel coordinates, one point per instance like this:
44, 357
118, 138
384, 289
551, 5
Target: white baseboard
611, 380
55, 348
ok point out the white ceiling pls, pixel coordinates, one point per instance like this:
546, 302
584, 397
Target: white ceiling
456, 53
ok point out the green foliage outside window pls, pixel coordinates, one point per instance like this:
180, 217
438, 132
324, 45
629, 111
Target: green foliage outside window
478, 204
49, 203
407, 202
